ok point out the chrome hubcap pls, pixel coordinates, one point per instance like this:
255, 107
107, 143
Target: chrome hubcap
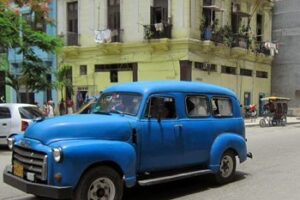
102, 189
226, 167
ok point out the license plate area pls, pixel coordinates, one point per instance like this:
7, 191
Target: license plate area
18, 169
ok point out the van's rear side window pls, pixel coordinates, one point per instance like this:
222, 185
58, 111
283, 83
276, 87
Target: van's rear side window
221, 107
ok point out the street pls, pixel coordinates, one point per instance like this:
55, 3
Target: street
272, 174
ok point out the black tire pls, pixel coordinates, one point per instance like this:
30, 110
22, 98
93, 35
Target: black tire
262, 123
227, 169
107, 181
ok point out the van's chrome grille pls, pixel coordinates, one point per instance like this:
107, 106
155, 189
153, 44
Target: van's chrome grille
32, 161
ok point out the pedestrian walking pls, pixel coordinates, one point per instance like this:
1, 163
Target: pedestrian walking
62, 107
70, 105
50, 110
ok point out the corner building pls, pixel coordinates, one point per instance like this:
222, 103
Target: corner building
142, 40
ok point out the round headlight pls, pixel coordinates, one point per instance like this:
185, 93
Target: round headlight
10, 142
57, 154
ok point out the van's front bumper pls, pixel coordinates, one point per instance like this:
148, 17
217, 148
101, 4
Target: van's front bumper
43, 190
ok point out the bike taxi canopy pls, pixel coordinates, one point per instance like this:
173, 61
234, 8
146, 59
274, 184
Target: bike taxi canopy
273, 98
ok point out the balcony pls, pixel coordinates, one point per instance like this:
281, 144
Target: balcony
241, 41
260, 48
72, 39
157, 31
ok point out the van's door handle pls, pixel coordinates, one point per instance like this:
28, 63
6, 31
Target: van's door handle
4, 124
178, 126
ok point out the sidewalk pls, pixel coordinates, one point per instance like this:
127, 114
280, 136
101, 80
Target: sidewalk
255, 122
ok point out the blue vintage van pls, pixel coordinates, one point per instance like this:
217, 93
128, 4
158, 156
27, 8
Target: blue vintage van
139, 133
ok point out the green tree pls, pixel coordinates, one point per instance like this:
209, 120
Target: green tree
63, 81
19, 34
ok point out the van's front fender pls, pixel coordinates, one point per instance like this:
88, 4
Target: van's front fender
79, 155
227, 141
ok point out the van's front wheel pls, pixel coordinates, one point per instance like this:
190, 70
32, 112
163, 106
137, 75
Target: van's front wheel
100, 183
227, 169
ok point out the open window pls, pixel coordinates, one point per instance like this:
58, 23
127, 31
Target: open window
221, 107
113, 17
161, 108
209, 20
160, 26
197, 106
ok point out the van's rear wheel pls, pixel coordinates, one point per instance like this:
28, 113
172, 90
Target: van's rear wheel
102, 183
227, 169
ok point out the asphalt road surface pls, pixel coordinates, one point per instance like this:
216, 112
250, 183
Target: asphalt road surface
273, 174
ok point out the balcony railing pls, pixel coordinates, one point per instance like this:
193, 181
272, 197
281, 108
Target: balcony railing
260, 48
240, 41
157, 31
72, 39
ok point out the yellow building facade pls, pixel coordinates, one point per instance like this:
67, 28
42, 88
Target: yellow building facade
116, 41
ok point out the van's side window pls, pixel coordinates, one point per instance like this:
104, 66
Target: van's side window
221, 107
161, 107
197, 106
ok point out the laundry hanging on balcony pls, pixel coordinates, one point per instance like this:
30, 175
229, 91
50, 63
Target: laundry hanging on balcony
159, 27
273, 48
103, 36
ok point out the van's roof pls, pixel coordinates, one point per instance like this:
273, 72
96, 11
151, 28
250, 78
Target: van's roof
149, 87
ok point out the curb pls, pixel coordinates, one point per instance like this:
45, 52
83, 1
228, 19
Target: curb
253, 125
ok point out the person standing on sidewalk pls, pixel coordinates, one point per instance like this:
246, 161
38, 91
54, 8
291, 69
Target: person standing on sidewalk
62, 107
70, 105
50, 110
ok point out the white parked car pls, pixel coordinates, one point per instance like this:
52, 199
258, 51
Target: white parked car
15, 118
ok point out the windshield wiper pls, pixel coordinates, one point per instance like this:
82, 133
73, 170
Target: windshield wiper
101, 112
116, 111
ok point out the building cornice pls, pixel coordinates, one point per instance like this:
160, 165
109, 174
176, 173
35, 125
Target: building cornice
164, 45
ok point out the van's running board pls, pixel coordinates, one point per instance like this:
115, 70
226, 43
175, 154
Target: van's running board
174, 177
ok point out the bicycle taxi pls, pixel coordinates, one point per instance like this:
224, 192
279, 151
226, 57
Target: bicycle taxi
275, 111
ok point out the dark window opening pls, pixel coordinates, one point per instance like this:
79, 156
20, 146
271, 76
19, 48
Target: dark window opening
113, 17
259, 27
160, 25
159, 12
83, 69
206, 67
235, 23
114, 76
246, 72
261, 74
115, 68
72, 23
228, 70
23, 96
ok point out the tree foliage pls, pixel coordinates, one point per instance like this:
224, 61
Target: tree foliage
19, 34
63, 81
